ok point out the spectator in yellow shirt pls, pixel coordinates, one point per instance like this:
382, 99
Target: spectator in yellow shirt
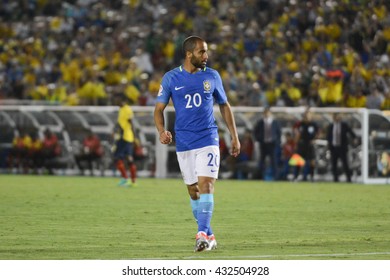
113, 76
93, 92
132, 93
334, 88
40, 91
293, 92
357, 101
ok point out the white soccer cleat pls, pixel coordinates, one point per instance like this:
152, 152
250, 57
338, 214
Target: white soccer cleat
201, 242
212, 243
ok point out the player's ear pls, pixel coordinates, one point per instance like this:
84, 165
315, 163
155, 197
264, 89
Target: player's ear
188, 54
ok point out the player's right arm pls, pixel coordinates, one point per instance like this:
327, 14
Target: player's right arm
163, 96
165, 135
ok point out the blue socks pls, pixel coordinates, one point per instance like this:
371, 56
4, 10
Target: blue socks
194, 207
204, 212
207, 203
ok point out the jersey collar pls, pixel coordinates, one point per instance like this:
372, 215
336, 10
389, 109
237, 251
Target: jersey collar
181, 68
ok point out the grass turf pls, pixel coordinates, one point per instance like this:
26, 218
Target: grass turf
56, 217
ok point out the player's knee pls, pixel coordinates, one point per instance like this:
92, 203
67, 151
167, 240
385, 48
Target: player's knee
207, 187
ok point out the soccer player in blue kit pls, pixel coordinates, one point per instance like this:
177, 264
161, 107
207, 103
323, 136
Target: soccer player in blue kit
193, 88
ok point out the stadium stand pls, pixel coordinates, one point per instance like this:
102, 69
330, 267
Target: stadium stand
280, 53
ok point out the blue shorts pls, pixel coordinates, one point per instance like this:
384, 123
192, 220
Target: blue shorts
123, 149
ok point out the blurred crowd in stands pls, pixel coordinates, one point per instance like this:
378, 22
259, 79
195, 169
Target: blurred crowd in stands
269, 53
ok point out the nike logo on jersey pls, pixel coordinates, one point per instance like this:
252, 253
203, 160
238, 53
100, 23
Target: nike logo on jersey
177, 88
212, 170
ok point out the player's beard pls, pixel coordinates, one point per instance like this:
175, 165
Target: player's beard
198, 63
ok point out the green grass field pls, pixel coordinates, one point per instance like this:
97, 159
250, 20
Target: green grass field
58, 217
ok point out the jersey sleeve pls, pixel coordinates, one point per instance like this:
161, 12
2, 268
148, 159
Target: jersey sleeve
164, 92
219, 92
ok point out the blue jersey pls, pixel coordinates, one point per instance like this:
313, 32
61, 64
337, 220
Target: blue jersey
193, 97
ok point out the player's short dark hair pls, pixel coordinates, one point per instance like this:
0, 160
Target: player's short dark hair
189, 44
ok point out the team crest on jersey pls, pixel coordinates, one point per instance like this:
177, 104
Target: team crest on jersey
207, 86
160, 91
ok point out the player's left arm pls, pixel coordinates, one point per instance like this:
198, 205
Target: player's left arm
227, 115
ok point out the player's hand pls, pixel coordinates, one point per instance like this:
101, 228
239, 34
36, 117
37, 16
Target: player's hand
166, 137
235, 148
